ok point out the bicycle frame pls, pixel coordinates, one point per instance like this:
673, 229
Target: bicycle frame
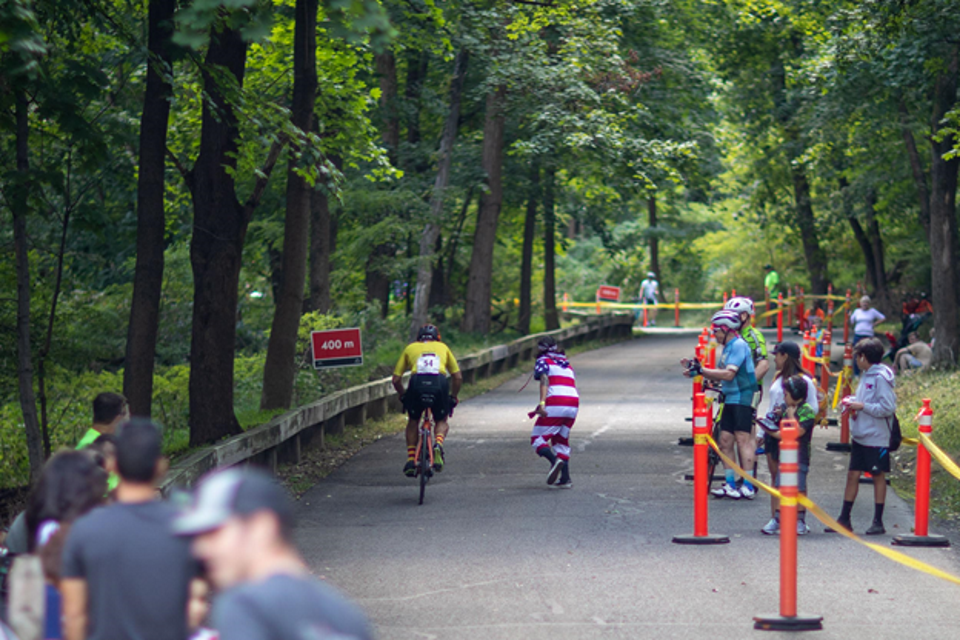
425, 450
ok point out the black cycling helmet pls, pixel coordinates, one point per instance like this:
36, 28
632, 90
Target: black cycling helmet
546, 343
428, 332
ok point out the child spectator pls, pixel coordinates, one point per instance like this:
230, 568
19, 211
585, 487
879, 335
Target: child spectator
871, 411
557, 411
796, 406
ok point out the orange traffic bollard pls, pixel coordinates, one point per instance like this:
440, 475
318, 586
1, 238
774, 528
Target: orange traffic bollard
811, 339
676, 307
790, 295
846, 319
766, 306
566, 301
644, 315
825, 365
847, 381
788, 619
801, 315
701, 428
921, 536
779, 318
724, 298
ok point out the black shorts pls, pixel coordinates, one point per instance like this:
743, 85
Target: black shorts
425, 391
737, 417
869, 459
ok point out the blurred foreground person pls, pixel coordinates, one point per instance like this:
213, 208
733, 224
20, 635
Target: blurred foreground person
125, 575
242, 529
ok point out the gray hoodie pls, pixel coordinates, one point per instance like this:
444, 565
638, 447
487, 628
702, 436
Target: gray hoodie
871, 426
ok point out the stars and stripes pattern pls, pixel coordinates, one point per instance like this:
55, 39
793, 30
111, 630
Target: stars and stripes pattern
562, 404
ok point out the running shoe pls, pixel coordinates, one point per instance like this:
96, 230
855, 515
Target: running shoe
772, 528
876, 529
564, 485
555, 470
802, 528
727, 491
410, 469
747, 492
437, 457
843, 523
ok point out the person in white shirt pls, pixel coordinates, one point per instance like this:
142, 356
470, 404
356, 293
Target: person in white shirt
864, 320
649, 294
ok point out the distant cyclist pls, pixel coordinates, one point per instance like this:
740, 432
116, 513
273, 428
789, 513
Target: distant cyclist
738, 383
431, 362
649, 294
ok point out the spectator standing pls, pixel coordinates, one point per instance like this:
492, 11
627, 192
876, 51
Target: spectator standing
916, 356
125, 575
864, 321
650, 294
242, 528
771, 282
109, 411
871, 412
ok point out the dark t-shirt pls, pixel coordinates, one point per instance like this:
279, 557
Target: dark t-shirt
289, 608
137, 572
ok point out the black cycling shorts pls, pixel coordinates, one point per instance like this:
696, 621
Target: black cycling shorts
426, 390
737, 417
869, 459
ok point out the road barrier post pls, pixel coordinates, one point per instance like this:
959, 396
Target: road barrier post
830, 310
811, 339
701, 428
801, 315
825, 365
566, 302
598, 302
676, 307
846, 319
846, 376
733, 293
712, 351
790, 296
788, 620
921, 536
779, 318
644, 315
766, 307
724, 298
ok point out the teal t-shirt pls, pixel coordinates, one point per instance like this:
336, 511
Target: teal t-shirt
740, 390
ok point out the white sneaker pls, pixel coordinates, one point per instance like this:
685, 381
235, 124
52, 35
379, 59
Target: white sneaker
748, 492
726, 491
802, 528
772, 528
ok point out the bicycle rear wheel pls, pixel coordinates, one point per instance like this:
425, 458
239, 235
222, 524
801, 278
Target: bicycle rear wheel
423, 463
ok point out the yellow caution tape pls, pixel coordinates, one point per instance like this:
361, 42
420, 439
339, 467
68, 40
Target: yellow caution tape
910, 442
836, 393
941, 457
700, 439
825, 518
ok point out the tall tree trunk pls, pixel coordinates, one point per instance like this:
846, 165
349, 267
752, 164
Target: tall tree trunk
151, 219
526, 257
866, 248
881, 288
431, 230
453, 245
476, 314
816, 257
321, 230
20, 209
216, 247
438, 294
550, 316
376, 279
654, 240
417, 65
916, 167
943, 219
280, 367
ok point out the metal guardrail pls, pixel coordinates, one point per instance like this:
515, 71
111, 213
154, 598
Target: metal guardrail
284, 438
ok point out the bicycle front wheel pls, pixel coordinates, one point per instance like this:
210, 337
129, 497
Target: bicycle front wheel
423, 465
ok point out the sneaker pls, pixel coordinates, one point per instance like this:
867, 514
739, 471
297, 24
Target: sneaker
747, 492
876, 529
772, 528
564, 485
726, 491
410, 469
437, 458
555, 470
802, 528
843, 523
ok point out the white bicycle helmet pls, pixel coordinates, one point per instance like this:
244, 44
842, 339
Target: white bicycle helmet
740, 304
726, 319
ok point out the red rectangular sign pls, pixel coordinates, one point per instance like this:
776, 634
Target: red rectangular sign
336, 348
607, 293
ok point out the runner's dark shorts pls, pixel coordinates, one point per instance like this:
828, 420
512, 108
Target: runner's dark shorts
870, 459
424, 391
737, 417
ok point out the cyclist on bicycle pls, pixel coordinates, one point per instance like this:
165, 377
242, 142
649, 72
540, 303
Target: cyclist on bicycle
431, 362
738, 383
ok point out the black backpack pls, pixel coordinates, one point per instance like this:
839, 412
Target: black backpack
896, 436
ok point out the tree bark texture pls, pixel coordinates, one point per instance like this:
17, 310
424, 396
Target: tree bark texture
526, 257
943, 221
219, 227
417, 66
20, 209
816, 257
280, 367
654, 241
321, 231
550, 316
431, 230
151, 218
916, 167
476, 316
377, 281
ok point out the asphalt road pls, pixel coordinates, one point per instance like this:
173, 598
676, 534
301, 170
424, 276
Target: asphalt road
496, 553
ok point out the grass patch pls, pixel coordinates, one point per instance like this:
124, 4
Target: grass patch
943, 389
317, 464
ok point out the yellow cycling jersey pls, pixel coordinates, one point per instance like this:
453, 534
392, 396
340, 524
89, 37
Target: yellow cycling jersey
416, 358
